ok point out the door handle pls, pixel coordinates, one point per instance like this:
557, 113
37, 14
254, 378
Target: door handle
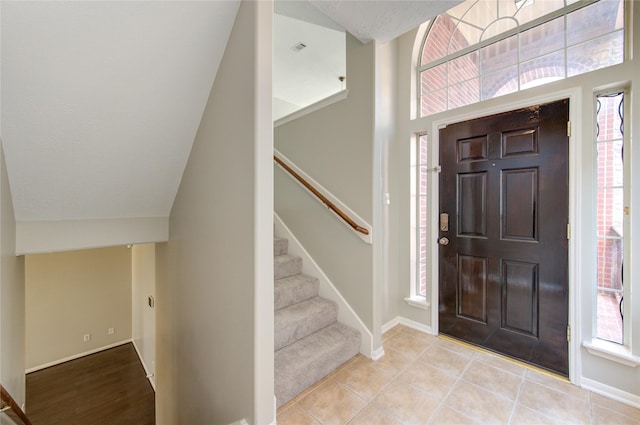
443, 240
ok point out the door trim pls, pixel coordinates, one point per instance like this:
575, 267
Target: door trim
575, 199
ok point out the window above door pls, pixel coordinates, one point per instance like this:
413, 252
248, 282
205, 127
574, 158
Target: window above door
480, 50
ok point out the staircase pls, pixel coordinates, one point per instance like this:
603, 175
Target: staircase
309, 342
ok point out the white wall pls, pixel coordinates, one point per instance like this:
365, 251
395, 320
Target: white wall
143, 315
71, 294
12, 324
220, 249
386, 77
606, 375
335, 145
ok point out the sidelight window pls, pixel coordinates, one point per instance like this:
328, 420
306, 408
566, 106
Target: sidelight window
480, 50
611, 217
421, 289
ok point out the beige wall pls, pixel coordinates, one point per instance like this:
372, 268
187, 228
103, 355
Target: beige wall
70, 294
12, 297
143, 315
166, 348
334, 146
220, 249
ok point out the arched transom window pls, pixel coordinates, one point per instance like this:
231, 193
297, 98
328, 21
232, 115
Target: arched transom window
482, 49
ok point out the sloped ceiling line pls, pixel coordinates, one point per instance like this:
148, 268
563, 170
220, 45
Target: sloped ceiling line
101, 100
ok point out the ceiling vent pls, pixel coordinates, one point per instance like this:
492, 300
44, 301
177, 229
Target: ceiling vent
298, 47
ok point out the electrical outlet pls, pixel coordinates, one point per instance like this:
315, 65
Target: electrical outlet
86, 337
110, 331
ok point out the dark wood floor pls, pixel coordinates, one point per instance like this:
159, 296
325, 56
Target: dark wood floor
106, 388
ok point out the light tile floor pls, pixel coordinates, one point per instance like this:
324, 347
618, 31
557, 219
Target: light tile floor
423, 379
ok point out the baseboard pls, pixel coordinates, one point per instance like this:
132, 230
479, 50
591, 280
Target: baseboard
377, 354
346, 314
150, 375
77, 356
275, 411
399, 320
610, 392
390, 324
274, 422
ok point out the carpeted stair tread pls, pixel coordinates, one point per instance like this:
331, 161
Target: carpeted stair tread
294, 289
302, 319
308, 360
286, 265
280, 246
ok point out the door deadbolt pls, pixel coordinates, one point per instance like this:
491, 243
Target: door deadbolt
443, 240
444, 222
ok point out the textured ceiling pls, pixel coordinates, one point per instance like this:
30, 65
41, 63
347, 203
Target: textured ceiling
101, 100
381, 20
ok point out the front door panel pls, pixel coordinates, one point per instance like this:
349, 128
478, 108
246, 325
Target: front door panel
503, 274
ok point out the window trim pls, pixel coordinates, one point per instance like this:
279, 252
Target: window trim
612, 351
598, 345
502, 36
562, 12
415, 299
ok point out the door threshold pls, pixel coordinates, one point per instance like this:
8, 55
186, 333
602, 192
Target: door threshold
503, 357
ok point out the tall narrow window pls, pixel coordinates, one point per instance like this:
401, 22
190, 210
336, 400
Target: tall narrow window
421, 288
610, 216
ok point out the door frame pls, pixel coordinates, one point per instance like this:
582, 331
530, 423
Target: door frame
575, 199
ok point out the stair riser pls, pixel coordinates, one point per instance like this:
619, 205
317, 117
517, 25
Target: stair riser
308, 340
280, 246
297, 368
295, 289
285, 266
300, 320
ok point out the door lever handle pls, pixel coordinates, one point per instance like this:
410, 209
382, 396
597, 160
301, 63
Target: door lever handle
443, 240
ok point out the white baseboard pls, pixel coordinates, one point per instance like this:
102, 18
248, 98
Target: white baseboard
275, 411
610, 392
150, 375
390, 324
399, 320
586, 383
77, 356
346, 314
377, 354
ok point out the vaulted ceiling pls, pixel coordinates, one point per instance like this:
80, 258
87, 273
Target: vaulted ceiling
101, 101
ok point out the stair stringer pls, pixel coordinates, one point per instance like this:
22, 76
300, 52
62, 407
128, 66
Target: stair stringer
346, 314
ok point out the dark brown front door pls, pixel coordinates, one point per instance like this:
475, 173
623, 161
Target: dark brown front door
503, 273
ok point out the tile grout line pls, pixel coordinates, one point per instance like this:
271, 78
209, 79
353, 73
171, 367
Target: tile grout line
517, 400
591, 416
458, 379
529, 374
504, 358
396, 377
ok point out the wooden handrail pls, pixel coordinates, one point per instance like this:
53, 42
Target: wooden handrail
322, 198
14, 412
